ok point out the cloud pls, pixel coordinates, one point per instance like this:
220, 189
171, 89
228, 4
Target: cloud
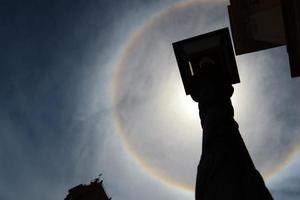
56, 123
55, 94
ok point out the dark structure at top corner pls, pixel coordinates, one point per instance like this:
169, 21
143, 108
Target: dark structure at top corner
262, 24
213, 47
93, 191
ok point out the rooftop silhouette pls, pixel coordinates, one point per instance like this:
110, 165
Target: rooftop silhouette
93, 191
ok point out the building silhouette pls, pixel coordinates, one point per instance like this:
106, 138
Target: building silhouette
93, 191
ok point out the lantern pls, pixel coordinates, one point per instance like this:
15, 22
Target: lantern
210, 48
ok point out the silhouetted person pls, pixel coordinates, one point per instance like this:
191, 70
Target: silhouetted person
226, 170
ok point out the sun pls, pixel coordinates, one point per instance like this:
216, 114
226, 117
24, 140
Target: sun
186, 108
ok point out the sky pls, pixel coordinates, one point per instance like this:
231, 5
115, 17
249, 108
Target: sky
91, 87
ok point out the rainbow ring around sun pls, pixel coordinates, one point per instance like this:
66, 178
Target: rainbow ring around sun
157, 123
